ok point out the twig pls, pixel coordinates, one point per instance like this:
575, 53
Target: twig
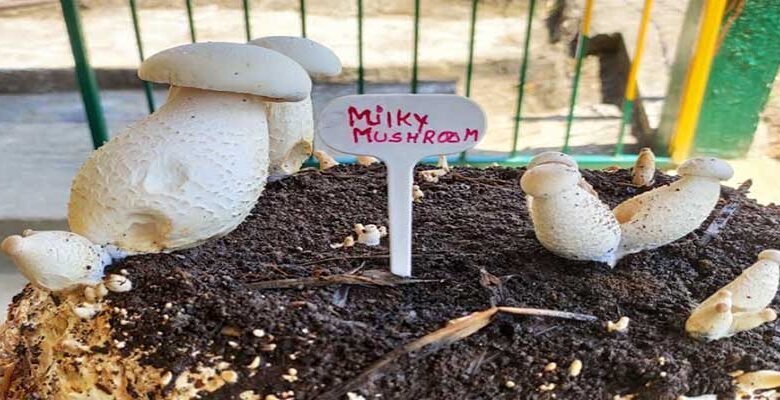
367, 278
453, 331
357, 257
717, 224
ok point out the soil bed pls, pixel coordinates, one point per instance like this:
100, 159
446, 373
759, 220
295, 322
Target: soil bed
471, 220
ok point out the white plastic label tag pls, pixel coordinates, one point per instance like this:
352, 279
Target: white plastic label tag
401, 129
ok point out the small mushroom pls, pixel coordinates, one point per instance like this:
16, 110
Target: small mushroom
643, 173
417, 194
556, 157
443, 163
194, 169
325, 160
369, 235
568, 220
366, 160
740, 305
432, 175
291, 125
665, 214
57, 260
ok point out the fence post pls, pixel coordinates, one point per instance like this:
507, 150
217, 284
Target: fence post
696, 80
582, 49
84, 74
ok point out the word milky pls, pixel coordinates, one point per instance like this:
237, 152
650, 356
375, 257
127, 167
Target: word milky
377, 125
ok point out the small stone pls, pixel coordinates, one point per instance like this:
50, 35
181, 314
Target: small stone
86, 311
510, 384
268, 347
90, 295
229, 376
547, 387
254, 364
233, 344
168, 306
249, 395
662, 361
550, 367
620, 326
575, 368
118, 283
166, 378
354, 396
120, 344
271, 397
258, 333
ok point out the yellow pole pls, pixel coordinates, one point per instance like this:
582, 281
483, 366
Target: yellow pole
638, 51
696, 80
586, 17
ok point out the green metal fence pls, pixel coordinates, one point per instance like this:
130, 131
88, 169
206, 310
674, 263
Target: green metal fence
91, 96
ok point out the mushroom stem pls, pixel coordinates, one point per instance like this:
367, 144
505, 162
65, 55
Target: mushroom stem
665, 214
568, 220
191, 171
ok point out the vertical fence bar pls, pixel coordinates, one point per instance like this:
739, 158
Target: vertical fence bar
190, 20
696, 79
630, 96
522, 78
470, 61
303, 18
139, 44
247, 22
84, 73
582, 48
361, 77
416, 39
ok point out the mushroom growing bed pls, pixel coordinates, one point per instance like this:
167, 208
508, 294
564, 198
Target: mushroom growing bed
474, 248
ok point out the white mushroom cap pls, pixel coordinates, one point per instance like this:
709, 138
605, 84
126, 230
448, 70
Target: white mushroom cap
56, 260
229, 67
549, 179
556, 157
770, 255
708, 167
315, 58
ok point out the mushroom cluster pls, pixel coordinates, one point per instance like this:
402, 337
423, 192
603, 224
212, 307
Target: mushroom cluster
194, 169
742, 304
558, 195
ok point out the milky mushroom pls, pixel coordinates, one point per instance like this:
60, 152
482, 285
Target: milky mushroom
194, 169
57, 260
369, 235
556, 157
643, 172
366, 160
742, 304
665, 214
567, 219
325, 160
291, 125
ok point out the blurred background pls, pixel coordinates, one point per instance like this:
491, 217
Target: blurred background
519, 59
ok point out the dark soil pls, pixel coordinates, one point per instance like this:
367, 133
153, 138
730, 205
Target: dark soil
471, 220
